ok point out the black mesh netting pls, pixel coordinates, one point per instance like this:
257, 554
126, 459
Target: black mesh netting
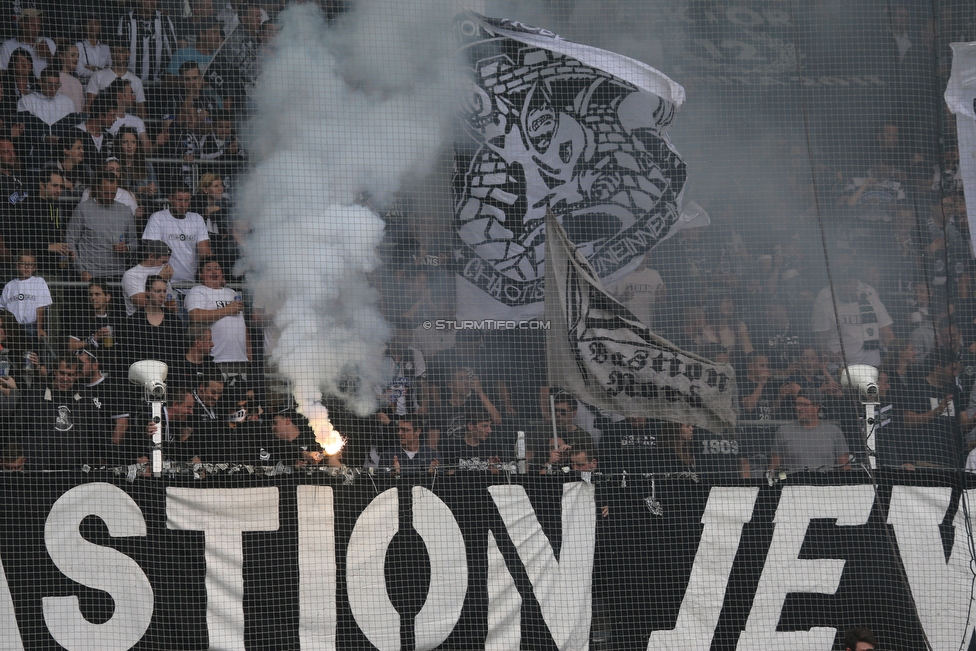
546, 325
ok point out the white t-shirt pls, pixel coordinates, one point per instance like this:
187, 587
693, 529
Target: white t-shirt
182, 236
230, 332
22, 298
47, 109
101, 79
134, 282
861, 331
642, 287
128, 120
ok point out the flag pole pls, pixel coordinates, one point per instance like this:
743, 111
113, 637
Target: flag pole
219, 48
550, 285
552, 416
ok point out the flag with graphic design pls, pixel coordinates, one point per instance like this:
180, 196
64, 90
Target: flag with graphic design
550, 124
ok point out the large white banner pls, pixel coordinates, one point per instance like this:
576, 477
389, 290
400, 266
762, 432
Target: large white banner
484, 563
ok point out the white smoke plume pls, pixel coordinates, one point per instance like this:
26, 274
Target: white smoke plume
359, 106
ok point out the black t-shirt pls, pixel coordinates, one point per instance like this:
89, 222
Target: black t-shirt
57, 430
218, 431
627, 448
265, 449
764, 406
456, 453
183, 373
939, 440
716, 454
807, 382
451, 420
83, 324
667, 460
781, 346
94, 157
222, 441
222, 244
143, 340
34, 225
108, 401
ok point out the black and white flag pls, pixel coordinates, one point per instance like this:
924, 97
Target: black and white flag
554, 125
960, 97
601, 353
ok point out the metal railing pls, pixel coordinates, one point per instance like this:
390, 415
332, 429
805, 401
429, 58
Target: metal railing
175, 169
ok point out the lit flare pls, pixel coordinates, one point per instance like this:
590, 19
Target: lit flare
325, 435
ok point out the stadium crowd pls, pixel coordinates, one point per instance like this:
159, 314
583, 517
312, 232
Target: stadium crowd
115, 249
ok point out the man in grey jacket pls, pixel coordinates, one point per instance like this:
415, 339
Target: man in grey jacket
102, 232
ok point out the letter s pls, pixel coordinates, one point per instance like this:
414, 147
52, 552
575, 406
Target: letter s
101, 568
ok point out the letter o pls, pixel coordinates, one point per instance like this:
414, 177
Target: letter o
365, 584
369, 600
435, 523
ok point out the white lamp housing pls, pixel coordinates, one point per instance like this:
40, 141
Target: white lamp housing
862, 377
150, 374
